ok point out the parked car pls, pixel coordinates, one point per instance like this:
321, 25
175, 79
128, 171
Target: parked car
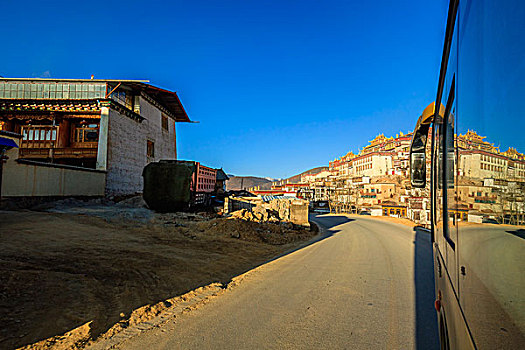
490, 221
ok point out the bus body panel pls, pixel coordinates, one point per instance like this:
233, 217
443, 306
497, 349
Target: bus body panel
478, 177
458, 333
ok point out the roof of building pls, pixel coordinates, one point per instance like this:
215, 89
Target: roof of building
5, 142
167, 99
10, 134
270, 198
392, 204
221, 175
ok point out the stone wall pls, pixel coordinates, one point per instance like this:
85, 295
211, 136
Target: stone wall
127, 147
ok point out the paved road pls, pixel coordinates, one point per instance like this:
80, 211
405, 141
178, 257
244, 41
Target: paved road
367, 285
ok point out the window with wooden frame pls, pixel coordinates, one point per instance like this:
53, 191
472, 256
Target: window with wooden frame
150, 148
38, 136
84, 133
165, 123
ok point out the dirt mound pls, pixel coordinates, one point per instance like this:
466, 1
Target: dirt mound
251, 231
133, 202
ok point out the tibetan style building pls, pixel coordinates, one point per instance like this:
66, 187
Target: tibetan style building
111, 126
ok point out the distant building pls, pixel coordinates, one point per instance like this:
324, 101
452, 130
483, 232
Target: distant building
286, 190
221, 178
479, 159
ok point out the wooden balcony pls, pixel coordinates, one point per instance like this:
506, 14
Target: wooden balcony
68, 152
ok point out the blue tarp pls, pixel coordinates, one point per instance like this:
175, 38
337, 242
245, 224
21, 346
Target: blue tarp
7, 142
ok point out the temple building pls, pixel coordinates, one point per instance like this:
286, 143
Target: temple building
111, 126
479, 159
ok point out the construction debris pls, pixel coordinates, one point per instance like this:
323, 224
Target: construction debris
273, 210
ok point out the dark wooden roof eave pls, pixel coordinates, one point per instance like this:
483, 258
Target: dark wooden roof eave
164, 99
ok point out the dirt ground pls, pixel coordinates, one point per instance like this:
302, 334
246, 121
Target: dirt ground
90, 267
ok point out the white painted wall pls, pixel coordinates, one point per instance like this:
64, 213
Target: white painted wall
127, 146
26, 180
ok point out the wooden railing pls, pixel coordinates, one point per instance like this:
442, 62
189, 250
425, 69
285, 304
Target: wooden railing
69, 152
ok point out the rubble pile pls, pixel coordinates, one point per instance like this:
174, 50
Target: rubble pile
258, 214
276, 210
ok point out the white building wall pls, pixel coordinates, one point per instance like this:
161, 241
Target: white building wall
375, 165
381, 165
126, 155
164, 140
127, 146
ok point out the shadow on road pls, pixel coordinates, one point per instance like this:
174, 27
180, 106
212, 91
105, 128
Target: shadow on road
329, 221
518, 233
426, 321
325, 223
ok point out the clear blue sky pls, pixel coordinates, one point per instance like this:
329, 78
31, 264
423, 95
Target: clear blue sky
277, 86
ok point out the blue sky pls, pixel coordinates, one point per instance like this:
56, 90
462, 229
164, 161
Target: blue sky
277, 86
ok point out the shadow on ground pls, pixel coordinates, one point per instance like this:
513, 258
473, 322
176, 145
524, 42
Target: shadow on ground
426, 320
328, 222
518, 233
323, 225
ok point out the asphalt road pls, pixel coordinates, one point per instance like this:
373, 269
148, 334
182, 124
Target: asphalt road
367, 285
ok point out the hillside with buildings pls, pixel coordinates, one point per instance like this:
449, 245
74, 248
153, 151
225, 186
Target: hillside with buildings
376, 180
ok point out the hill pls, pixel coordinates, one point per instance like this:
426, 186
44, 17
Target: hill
244, 182
297, 178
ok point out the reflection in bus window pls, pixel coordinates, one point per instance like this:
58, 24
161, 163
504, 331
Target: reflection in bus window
490, 186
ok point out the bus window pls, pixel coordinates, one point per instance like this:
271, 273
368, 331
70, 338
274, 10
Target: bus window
448, 170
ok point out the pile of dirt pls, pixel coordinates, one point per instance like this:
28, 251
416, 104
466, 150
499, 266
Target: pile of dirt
72, 273
251, 231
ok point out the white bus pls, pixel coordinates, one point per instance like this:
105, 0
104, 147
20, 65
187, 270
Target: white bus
469, 152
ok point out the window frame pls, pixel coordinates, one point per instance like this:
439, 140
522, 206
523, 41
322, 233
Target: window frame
150, 148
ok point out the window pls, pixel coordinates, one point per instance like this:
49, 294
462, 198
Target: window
124, 97
52, 90
39, 133
85, 133
150, 149
165, 122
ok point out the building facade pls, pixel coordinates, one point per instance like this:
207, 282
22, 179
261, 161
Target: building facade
116, 126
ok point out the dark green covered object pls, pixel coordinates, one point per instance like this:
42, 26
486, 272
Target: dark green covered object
167, 185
